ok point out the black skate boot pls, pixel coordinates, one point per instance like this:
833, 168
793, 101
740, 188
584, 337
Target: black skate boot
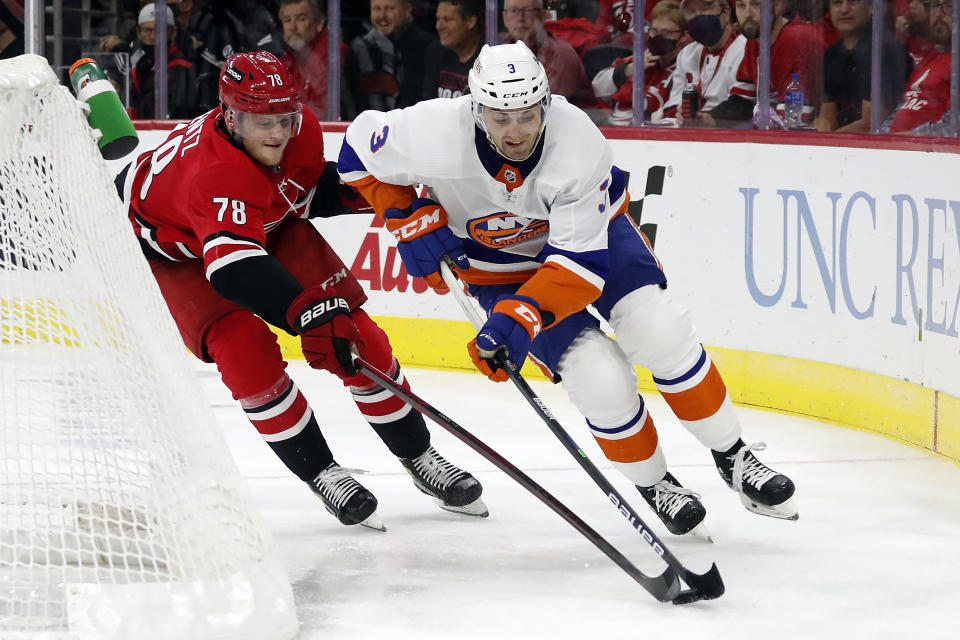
679, 508
451, 487
348, 500
761, 489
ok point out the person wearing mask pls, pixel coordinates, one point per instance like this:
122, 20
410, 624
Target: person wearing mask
710, 63
666, 37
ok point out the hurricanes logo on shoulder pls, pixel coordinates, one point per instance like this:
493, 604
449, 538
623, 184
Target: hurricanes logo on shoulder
504, 229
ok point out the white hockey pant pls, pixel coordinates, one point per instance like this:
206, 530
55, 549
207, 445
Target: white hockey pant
656, 332
602, 384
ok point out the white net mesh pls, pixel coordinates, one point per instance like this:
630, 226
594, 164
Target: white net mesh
121, 512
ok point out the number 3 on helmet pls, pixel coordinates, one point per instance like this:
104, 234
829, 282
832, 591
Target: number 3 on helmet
257, 83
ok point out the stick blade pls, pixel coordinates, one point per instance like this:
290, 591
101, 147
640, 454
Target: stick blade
705, 586
664, 587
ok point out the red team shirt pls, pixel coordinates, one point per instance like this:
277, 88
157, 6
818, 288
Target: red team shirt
797, 49
225, 203
927, 95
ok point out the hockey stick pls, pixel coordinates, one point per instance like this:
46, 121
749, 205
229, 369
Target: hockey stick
706, 586
664, 587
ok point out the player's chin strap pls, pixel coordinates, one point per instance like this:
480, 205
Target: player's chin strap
704, 586
664, 587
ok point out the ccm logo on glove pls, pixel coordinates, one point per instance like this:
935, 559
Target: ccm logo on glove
524, 312
426, 222
322, 308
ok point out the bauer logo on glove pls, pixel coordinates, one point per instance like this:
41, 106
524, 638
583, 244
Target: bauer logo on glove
322, 309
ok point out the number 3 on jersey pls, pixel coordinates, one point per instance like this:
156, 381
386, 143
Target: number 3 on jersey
238, 213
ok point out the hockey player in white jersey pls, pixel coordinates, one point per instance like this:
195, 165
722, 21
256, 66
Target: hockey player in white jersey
522, 194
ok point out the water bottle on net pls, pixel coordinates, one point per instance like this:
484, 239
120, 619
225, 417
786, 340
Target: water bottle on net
793, 103
118, 137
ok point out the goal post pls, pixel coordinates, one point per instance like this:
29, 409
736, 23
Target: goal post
122, 514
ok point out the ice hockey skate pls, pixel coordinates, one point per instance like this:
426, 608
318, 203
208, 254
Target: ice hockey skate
348, 500
680, 509
451, 487
761, 489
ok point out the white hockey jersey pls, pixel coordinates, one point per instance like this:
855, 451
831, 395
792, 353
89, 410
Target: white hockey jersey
553, 208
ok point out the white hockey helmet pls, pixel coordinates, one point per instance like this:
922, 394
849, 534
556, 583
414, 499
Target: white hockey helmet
508, 77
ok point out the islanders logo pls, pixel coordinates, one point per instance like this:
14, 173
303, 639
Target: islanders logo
504, 229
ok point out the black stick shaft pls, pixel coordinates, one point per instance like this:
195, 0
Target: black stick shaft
664, 587
704, 586
709, 583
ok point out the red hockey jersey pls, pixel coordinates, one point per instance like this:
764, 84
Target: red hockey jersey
198, 195
798, 49
927, 94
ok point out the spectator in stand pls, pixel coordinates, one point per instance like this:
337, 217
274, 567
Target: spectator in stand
180, 72
305, 32
385, 67
817, 13
925, 105
460, 29
665, 38
847, 63
913, 29
582, 33
795, 48
617, 17
524, 20
11, 33
711, 61
218, 29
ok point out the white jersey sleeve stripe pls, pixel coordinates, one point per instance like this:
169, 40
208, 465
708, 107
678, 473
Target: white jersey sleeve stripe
230, 258
579, 270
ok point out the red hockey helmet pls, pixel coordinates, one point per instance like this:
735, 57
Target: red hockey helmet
257, 83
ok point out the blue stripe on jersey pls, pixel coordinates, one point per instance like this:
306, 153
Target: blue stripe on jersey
597, 262
476, 250
621, 429
618, 184
695, 369
349, 160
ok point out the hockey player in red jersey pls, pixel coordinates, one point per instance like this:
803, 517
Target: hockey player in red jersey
221, 210
523, 196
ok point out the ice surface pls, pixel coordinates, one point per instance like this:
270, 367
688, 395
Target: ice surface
874, 554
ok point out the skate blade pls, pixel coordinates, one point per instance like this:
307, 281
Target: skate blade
374, 522
786, 510
476, 508
699, 532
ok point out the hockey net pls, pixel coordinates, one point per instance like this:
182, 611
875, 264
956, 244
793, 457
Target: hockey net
122, 514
